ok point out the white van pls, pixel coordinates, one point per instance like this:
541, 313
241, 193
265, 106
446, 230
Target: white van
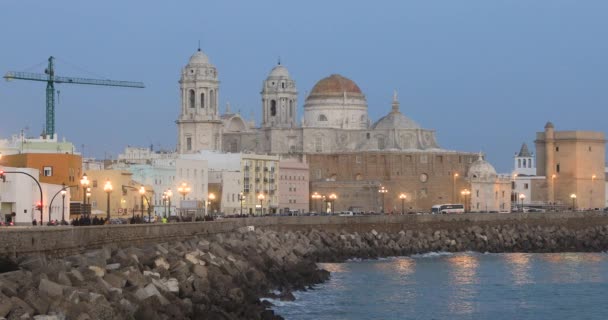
447, 208
346, 214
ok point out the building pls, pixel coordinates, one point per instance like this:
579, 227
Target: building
19, 194
125, 199
293, 185
528, 189
573, 163
489, 191
336, 135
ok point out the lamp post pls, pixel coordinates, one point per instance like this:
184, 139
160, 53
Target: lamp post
84, 182
454, 187
382, 191
261, 198
63, 192
184, 189
88, 194
142, 192
241, 199
211, 198
553, 176
573, 197
521, 198
169, 196
315, 196
591, 192
465, 193
108, 189
332, 198
402, 197
165, 203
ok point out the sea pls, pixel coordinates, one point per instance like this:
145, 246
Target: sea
464, 285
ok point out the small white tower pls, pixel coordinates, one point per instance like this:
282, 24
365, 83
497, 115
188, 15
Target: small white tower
524, 163
279, 99
199, 124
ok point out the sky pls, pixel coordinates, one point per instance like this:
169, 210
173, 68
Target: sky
486, 75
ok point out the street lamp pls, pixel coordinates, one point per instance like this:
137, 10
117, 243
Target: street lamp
142, 192
261, 198
521, 198
402, 197
465, 193
165, 203
211, 198
169, 196
184, 189
88, 194
553, 176
382, 191
84, 182
63, 192
332, 199
454, 187
315, 196
591, 192
573, 197
108, 189
241, 199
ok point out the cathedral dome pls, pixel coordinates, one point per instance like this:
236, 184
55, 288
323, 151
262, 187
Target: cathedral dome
395, 120
279, 72
481, 169
198, 58
335, 85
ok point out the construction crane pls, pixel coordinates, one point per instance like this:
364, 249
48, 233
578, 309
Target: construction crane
50, 79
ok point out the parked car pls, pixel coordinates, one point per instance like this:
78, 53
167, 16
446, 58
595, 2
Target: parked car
346, 214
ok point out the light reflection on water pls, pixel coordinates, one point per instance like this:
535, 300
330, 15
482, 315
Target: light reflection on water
460, 286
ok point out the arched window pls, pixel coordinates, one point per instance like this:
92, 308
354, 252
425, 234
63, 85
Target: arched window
290, 108
381, 143
318, 144
283, 85
273, 108
524, 163
191, 99
202, 100
529, 163
322, 117
519, 163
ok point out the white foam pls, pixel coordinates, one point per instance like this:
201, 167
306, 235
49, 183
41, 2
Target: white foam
432, 254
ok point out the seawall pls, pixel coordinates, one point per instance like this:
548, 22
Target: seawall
62, 241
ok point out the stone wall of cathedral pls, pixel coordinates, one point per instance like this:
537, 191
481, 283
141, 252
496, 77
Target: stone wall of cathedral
426, 178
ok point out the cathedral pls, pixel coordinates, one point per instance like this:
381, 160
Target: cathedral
348, 153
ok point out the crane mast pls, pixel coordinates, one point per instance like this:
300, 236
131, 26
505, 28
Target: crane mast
50, 79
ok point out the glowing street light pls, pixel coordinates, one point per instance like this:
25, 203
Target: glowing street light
573, 197
454, 187
402, 197
465, 193
521, 198
332, 198
211, 197
184, 189
261, 198
382, 191
316, 196
108, 189
84, 182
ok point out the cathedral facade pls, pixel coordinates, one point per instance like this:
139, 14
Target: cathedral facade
348, 153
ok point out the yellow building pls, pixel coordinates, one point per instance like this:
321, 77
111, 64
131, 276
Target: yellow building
573, 164
125, 199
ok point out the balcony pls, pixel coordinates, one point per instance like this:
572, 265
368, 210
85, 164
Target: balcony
246, 168
257, 179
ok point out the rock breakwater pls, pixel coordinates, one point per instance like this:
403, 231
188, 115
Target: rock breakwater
223, 276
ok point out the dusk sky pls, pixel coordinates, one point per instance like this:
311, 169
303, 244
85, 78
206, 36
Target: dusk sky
486, 75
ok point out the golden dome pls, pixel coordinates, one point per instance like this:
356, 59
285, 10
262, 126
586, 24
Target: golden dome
335, 85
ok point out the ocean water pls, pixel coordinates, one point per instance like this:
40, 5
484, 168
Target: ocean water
459, 286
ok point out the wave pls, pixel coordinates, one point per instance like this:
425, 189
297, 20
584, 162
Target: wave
279, 303
432, 254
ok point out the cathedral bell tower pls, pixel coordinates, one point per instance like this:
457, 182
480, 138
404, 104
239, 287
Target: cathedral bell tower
199, 125
279, 99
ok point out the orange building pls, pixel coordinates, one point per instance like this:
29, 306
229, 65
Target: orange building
54, 168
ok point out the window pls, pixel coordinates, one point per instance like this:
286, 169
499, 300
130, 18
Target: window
477, 193
381, 143
273, 108
357, 159
191, 99
322, 117
290, 108
589, 148
556, 149
48, 171
189, 144
283, 85
367, 136
525, 186
94, 183
557, 168
202, 100
529, 163
318, 144
513, 185
519, 163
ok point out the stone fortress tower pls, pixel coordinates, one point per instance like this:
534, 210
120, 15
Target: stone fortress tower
199, 124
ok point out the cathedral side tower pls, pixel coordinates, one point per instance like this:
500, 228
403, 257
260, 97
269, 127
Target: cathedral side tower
279, 99
199, 124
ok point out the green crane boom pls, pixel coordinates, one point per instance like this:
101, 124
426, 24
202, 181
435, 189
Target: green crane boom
50, 79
